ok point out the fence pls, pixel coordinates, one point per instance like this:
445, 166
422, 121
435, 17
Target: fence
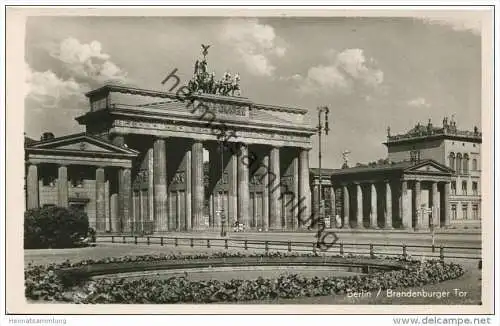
372, 249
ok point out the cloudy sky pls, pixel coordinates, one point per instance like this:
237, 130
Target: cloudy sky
371, 72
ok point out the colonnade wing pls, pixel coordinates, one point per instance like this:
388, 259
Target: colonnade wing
408, 195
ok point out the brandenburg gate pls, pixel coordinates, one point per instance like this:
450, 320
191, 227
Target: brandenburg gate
264, 150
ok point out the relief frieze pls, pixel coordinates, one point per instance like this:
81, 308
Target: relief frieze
141, 178
179, 178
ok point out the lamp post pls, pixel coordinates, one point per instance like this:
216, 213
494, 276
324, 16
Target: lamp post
321, 110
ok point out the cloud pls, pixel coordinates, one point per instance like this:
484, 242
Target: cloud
294, 77
84, 67
254, 43
47, 90
418, 102
346, 70
87, 62
456, 21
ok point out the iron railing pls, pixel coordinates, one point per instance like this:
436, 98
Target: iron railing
342, 248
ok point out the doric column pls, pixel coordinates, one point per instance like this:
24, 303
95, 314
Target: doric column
125, 198
197, 180
243, 186
405, 206
274, 189
295, 195
144, 209
417, 209
188, 197
32, 186
388, 205
304, 187
160, 185
115, 221
136, 220
446, 200
373, 213
151, 189
100, 196
107, 204
265, 194
359, 208
435, 205
177, 221
62, 186
346, 207
333, 220
232, 205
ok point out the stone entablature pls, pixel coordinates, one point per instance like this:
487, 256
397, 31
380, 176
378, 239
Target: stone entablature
166, 129
225, 108
125, 110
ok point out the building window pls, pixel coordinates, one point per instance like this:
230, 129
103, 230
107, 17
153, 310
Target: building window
466, 164
464, 187
474, 188
474, 165
452, 160
465, 208
475, 212
453, 188
453, 211
459, 163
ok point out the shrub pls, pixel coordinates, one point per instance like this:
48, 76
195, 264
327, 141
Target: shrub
54, 227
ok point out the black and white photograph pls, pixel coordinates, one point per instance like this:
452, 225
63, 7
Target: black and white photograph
326, 161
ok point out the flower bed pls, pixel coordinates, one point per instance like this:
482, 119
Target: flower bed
49, 283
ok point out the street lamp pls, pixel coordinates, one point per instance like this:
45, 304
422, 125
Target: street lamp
321, 110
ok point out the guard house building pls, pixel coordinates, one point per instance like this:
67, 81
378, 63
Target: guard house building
415, 188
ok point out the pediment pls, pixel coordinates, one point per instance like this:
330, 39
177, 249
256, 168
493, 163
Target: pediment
429, 166
81, 143
85, 146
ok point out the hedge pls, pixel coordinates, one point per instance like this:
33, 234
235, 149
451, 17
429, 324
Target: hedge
55, 227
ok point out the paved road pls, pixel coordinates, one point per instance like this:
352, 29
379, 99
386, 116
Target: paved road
410, 238
417, 244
